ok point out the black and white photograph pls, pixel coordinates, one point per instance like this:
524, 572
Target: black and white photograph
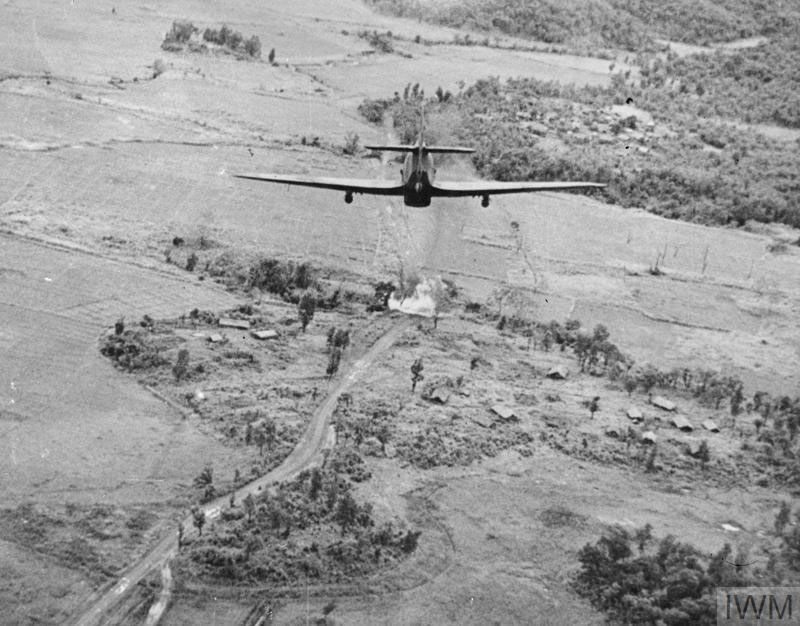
399, 312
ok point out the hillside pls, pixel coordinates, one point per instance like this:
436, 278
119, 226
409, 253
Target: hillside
606, 23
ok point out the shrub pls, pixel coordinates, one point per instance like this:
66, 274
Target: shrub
191, 262
181, 367
253, 47
181, 32
158, 68
350, 144
374, 110
256, 545
234, 40
306, 308
669, 583
132, 350
212, 36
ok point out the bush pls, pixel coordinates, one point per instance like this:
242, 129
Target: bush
132, 350
181, 32
374, 110
664, 583
258, 545
280, 277
212, 36
382, 42
181, 367
253, 47
350, 144
158, 68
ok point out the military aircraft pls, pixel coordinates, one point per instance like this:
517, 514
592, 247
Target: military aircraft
417, 179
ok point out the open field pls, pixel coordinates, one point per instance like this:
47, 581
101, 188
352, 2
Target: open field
97, 178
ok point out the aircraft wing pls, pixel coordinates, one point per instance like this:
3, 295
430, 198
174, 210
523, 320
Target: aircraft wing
485, 188
353, 185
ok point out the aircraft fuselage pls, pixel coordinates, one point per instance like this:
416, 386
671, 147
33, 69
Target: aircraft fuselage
417, 175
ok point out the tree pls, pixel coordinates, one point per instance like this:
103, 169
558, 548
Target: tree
306, 308
346, 511
181, 32
270, 433
199, 519
643, 536
331, 495
315, 484
333, 362
582, 347
649, 378
594, 406
248, 434
191, 262
410, 540
249, 506
600, 334
205, 478
158, 68
350, 144
251, 544
252, 47
791, 547
383, 433
793, 424
341, 339
119, 326
782, 519
703, 453
416, 373
736, 401
181, 367
630, 384
650, 465
261, 440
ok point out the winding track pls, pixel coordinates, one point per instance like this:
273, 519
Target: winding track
304, 455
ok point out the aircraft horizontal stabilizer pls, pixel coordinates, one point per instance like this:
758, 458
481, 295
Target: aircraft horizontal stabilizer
448, 150
393, 148
428, 149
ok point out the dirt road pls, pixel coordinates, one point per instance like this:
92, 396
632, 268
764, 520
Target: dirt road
305, 454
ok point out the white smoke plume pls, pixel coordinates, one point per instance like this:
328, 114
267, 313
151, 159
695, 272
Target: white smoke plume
425, 300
